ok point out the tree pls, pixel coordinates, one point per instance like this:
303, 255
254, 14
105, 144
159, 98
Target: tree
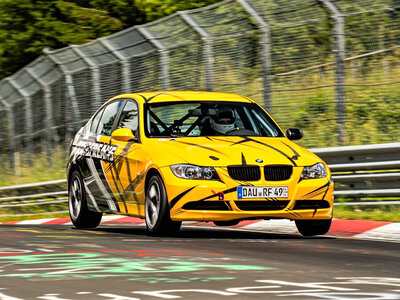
155, 9
28, 26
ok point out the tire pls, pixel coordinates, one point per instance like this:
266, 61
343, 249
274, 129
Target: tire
313, 227
226, 223
158, 220
79, 213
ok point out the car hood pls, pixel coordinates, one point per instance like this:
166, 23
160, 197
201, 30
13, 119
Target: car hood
229, 150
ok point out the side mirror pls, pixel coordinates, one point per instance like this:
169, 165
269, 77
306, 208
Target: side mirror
294, 134
122, 135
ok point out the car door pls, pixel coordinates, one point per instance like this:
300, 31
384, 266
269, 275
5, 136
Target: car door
122, 171
99, 150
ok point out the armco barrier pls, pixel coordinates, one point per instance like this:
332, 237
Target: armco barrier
41, 193
358, 172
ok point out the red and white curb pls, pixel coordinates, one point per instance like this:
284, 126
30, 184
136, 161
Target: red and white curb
359, 229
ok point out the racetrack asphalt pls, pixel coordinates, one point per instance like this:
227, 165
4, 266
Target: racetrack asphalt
123, 262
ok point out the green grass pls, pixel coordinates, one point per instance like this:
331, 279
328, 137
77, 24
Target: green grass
41, 169
34, 217
50, 210
374, 213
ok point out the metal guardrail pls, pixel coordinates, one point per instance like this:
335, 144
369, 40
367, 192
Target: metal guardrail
358, 172
361, 171
33, 194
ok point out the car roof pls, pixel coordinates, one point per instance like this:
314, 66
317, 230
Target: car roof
176, 96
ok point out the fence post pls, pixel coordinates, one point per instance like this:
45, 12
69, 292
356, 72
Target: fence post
28, 118
94, 68
49, 113
338, 17
265, 42
164, 63
207, 47
70, 94
11, 132
126, 74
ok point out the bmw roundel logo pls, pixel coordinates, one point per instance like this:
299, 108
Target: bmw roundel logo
259, 160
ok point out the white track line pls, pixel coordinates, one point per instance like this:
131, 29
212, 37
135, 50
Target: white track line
279, 226
35, 222
389, 232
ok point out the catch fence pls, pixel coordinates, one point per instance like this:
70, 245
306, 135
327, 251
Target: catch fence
330, 67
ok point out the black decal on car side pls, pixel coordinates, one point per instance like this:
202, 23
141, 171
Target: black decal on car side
117, 181
318, 189
132, 186
133, 191
123, 153
247, 139
201, 146
216, 195
243, 160
296, 155
104, 180
177, 198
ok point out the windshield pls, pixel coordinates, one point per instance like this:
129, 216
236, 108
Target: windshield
178, 119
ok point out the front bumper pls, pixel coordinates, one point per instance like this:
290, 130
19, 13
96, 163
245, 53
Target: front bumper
184, 194
307, 214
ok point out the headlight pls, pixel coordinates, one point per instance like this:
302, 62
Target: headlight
316, 171
194, 172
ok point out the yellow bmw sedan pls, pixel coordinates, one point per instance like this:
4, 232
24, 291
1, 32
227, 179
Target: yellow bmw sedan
169, 157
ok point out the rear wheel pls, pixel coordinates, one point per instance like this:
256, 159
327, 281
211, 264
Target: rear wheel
313, 227
158, 220
80, 215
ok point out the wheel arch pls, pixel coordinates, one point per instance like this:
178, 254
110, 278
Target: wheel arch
72, 169
151, 172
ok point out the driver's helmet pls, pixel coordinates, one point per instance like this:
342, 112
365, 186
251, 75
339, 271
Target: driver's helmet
223, 121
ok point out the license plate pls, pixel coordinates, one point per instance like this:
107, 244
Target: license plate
262, 192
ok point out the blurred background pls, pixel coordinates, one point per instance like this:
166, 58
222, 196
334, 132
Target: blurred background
329, 67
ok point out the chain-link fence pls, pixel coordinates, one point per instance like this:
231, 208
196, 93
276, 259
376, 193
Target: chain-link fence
330, 67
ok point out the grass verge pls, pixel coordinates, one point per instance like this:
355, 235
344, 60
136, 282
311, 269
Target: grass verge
40, 170
389, 213
34, 217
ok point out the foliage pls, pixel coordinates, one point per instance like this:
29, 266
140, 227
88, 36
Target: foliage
127, 11
28, 26
155, 9
8, 216
41, 169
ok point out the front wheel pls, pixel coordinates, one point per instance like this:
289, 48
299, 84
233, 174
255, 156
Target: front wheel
158, 220
313, 227
79, 213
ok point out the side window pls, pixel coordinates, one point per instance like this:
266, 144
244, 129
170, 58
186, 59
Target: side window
108, 118
129, 117
95, 121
